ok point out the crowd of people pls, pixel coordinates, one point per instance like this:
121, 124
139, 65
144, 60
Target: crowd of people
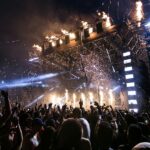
48, 127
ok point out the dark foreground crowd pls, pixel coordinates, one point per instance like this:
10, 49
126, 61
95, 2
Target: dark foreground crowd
47, 127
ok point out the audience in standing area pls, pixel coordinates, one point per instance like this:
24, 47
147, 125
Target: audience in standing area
48, 127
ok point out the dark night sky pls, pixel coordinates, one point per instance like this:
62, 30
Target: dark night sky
23, 22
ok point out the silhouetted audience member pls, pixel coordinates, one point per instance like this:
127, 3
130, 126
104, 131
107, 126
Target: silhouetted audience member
70, 136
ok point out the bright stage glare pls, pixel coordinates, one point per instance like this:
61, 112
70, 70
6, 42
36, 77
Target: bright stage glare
131, 84
125, 54
128, 68
129, 76
72, 36
131, 93
147, 25
133, 101
91, 30
127, 61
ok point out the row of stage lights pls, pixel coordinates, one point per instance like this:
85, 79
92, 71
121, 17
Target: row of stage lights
104, 23
130, 83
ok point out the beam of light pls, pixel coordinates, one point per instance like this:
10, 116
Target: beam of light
83, 98
111, 97
33, 79
37, 47
35, 101
17, 85
27, 81
38, 99
35, 59
91, 97
147, 25
115, 88
66, 96
74, 100
101, 97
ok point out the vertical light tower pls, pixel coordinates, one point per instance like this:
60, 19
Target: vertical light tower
133, 104
130, 81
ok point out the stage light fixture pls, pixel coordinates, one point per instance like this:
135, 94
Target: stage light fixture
131, 93
127, 61
91, 30
129, 76
134, 110
128, 68
133, 101
131, 84
125, 54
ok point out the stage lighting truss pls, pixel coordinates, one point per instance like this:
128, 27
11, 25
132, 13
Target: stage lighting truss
95, 59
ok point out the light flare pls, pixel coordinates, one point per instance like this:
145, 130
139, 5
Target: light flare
37, 47
85, 24
74, 100
91, 97
66, 96
101, 97
65, 32
139, 10
106, 20
83, 98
